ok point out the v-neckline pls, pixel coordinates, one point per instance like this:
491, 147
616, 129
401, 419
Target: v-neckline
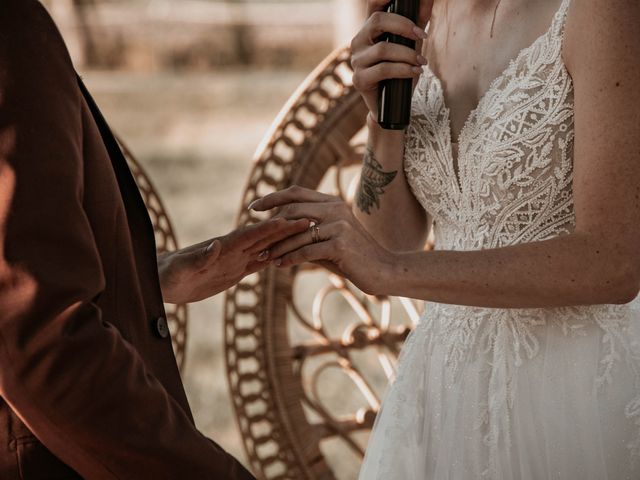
483, 98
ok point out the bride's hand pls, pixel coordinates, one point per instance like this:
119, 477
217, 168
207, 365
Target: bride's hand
343, 245
374, 61
205, 269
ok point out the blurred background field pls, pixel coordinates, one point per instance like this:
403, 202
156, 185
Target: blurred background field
197, 146
192, 87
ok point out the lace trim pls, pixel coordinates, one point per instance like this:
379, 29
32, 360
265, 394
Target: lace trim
514, 155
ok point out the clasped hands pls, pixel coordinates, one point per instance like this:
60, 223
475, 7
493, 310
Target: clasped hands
339, 243
308, 227
208, 268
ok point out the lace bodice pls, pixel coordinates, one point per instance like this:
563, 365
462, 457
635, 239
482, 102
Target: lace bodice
514, 155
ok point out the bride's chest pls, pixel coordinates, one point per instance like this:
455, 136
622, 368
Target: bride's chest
514, 154
468, 47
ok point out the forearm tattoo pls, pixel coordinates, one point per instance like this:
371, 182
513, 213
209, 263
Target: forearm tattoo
372, 183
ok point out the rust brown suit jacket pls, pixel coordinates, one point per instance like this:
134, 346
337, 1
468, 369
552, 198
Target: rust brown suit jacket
89, 386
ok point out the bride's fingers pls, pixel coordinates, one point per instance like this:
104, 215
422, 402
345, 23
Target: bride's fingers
326, 231
293, 228
292, 194
386, 52
369, 78
382, 22
291, 244
323, 213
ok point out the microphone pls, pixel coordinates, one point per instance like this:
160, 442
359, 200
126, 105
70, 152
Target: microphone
394, 95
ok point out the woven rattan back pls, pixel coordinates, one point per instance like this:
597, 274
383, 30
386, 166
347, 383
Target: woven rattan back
308, 355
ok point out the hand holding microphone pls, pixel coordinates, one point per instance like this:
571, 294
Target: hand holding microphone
386, 57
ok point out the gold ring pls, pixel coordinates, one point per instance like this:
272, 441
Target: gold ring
315, 233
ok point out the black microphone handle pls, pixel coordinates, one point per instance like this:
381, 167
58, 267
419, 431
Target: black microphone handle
394, 95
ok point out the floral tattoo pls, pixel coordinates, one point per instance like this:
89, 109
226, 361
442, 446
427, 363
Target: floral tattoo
372, 183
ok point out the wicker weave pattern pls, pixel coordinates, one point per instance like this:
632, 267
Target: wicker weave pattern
282, 333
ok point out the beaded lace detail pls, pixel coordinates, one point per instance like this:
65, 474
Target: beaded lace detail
515, 153
515, 162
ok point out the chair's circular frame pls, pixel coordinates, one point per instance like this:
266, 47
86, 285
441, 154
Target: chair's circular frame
311, 135
166, 240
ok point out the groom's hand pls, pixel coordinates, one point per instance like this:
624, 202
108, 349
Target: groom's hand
205, 269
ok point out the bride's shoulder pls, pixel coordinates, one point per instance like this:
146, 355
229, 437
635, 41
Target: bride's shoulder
602, 33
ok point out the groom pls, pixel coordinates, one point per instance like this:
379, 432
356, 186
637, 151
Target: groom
89, 386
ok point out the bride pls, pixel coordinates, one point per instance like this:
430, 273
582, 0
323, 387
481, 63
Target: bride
522, 155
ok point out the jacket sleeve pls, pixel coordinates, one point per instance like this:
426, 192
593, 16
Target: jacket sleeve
64, 369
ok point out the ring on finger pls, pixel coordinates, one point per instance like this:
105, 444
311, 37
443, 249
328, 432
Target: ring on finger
315, 232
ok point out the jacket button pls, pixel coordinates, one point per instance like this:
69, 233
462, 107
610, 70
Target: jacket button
162, 328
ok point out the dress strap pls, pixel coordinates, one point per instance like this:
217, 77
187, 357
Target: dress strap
560, 19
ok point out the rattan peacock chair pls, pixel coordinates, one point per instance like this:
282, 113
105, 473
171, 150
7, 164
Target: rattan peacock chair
177, 315
309, 355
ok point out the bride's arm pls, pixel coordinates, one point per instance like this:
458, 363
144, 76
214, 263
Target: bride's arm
588, 267
384, 203
390, 213
598, 263
576, 269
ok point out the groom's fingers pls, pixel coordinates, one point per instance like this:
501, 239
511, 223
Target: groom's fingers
292, 228
326, 231
290, 244
292, 194
245, 237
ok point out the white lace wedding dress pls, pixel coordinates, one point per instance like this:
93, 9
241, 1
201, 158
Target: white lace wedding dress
508, 394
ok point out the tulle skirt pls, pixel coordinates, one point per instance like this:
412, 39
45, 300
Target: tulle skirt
513, 394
